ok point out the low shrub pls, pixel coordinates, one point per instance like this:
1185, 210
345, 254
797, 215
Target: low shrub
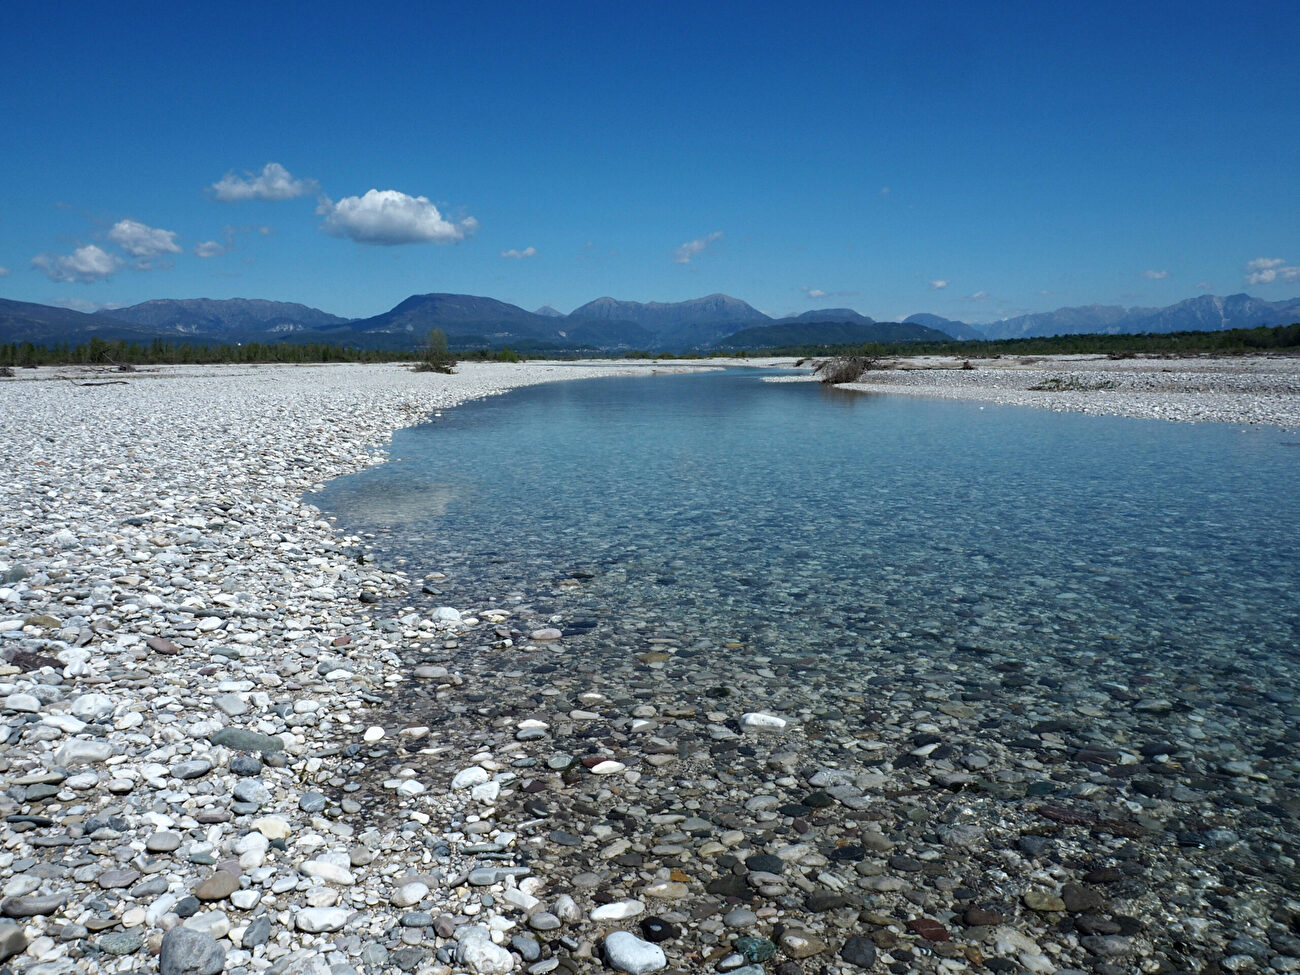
844, 369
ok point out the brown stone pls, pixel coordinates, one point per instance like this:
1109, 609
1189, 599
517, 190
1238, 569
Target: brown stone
928, 928
160, 644
217, 887
982, 916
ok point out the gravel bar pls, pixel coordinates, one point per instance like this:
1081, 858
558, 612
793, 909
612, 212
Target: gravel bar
187, 659
1237, 389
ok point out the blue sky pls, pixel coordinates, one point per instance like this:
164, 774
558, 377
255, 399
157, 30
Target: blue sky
973, 160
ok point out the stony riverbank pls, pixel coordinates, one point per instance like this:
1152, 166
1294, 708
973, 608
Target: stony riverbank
188, 652
228, 727
1229, 389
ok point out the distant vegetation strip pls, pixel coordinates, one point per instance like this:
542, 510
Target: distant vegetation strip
101, 352
1280, 338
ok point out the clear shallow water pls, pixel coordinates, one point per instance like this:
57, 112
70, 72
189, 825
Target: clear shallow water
1073, 638
788, 512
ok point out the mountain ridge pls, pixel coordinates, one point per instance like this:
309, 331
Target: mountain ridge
603, 325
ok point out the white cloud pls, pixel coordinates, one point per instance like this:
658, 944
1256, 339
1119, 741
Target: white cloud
518, 255
210, 248
1155, 275
82, 304
140, 240
4, 272
1265, 263
89, 263
1266, 270
979, 296
689, 249
815, 292
938, 284
274, 182
391, 217
1204, 286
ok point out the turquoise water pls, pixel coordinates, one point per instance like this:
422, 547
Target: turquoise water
790, 515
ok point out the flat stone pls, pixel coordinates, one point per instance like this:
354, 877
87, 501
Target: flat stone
217, 887
113, 879
243, 740
801, 944
12, 939
757, 721
1037, 900
185, 951
121, 943
258, 932
162, 645
1081, 900
41, 906
928, 928
617, 911
192, 768
23, 703
231, 704
79, 751
92, 707
319, 920
859, 952
626, 952
162, 842
469, 777
656, 930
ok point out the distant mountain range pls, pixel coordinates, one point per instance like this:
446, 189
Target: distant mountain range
1207, 313
716, 322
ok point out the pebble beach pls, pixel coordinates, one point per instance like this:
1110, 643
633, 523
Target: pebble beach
235, 741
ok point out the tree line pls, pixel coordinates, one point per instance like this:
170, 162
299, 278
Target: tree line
102, 352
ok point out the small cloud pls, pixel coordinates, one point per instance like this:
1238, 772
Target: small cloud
1204, 286
519, 255
884, 191
816, 293
274, 182
82, 304
689, 249
4, 272
85, 264
938, 284
1266, 270
229, 237
141, 240
1155, 275
390, 217
979, 296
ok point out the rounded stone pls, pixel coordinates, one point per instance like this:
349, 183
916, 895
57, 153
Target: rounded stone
628, 953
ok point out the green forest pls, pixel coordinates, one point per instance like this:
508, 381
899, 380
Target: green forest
99, 352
